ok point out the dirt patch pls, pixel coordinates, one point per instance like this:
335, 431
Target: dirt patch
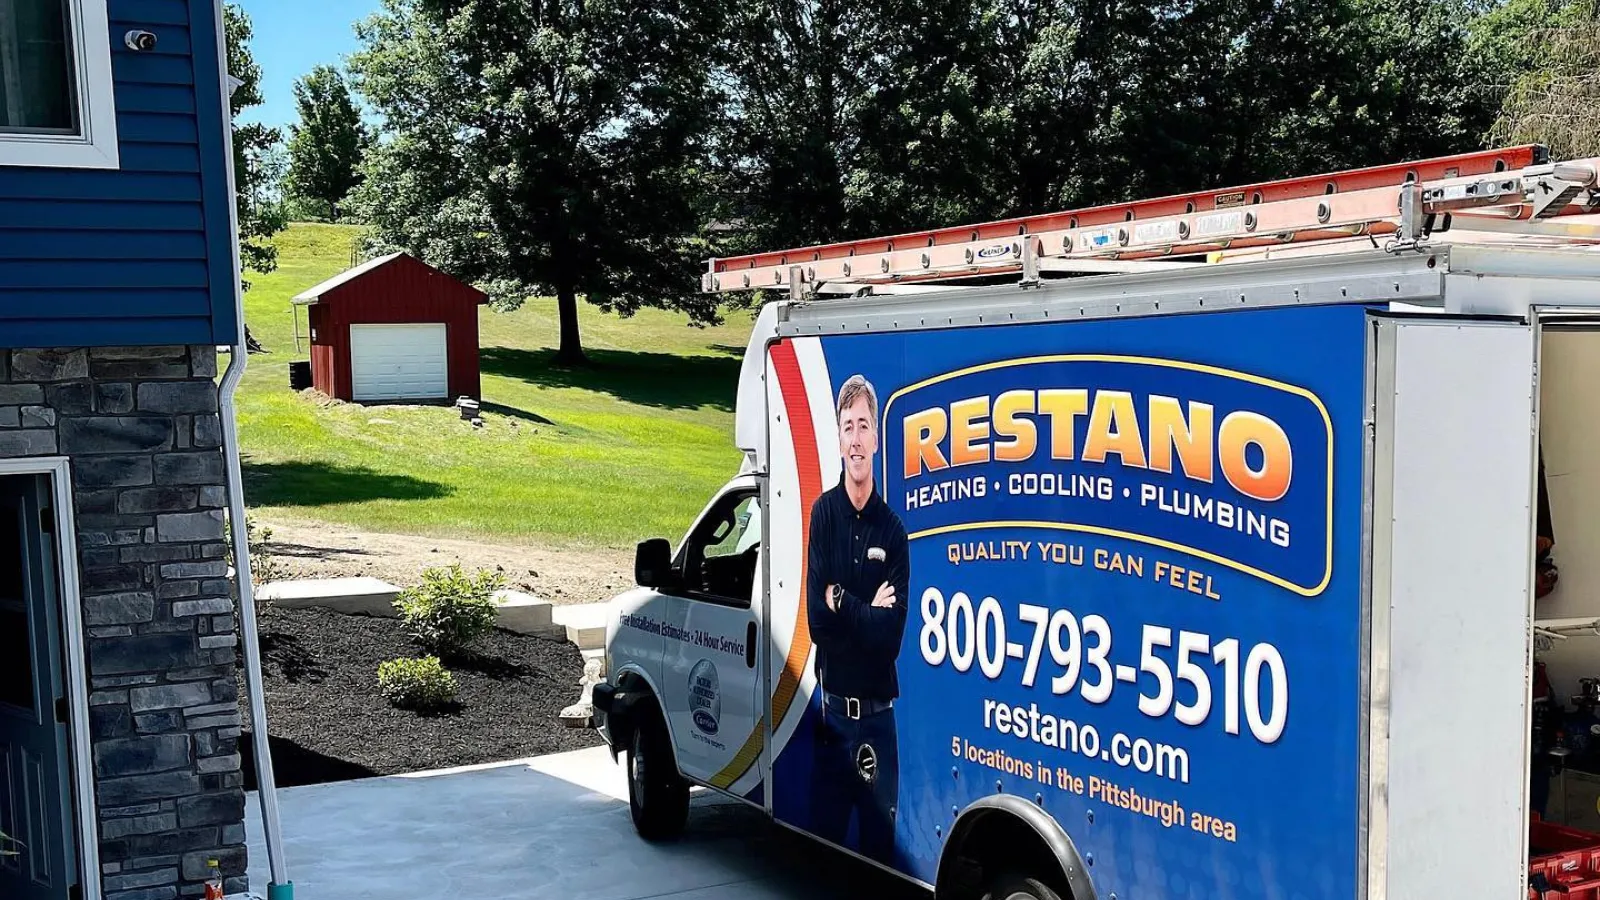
559, 576
329, 723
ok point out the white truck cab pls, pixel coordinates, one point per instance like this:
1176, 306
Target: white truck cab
689, 636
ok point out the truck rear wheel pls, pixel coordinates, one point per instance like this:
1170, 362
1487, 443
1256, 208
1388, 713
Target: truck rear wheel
1009, 886
658, 796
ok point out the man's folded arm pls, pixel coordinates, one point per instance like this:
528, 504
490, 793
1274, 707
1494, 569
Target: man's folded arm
881, 628
823, 622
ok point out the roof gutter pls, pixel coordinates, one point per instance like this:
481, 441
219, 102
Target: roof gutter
280, 887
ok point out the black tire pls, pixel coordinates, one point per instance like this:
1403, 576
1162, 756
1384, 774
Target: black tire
658, 796
1010, 886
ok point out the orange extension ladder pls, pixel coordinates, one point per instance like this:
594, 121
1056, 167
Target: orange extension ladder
1512, 190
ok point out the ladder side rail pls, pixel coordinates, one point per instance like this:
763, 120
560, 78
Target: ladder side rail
1465, 164
1407, 209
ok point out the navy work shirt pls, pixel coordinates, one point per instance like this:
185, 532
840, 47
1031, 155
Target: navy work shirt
857, 644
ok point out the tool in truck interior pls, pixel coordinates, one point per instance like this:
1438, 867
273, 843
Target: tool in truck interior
1241, 544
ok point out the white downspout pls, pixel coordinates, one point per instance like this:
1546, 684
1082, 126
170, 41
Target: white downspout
280, 888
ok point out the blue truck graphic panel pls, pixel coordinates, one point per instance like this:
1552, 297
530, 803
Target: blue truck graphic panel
1134, 552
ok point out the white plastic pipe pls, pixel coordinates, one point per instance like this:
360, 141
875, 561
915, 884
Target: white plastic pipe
266, 782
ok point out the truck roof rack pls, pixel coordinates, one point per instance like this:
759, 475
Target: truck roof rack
1513, 190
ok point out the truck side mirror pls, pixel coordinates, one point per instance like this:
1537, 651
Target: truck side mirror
652, 564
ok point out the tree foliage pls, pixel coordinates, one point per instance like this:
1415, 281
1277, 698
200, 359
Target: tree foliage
327, 145
549, 147
1553, 98
888, 115
260, 214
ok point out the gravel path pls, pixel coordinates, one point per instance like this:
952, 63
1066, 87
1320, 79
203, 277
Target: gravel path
561, 576
329, 723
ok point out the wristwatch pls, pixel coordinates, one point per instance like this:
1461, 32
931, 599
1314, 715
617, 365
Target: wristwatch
835, 594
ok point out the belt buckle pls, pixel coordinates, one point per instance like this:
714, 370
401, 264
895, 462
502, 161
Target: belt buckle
852, 707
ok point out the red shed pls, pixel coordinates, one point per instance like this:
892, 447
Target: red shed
394, 328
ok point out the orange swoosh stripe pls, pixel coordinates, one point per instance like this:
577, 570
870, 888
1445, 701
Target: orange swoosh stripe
809, 467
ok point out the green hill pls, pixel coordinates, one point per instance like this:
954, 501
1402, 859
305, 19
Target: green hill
602, 456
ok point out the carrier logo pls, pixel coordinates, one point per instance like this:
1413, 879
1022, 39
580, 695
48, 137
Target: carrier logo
1229, 466
705, 697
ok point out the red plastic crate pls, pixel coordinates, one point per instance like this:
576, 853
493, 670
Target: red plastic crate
1568, 861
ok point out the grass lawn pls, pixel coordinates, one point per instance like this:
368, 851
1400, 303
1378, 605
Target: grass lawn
629, 448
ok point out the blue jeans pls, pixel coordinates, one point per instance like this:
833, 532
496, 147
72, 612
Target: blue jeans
857, 771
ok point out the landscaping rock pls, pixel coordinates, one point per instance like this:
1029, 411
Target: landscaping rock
526, 614
361, 596
585, 623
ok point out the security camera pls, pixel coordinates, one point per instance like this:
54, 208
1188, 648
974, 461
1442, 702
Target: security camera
142, 41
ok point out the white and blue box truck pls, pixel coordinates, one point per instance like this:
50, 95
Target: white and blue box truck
1160, 581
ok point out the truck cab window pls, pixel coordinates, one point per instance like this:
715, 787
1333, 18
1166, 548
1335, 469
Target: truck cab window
720, 557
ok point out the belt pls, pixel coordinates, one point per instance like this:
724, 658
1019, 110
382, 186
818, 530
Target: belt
855, 707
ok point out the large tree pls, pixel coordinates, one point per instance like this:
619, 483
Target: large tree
260, 214
545, 147
327, 144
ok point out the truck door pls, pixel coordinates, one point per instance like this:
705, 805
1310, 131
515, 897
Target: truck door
713, 646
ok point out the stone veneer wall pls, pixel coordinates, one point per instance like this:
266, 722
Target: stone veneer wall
140, 427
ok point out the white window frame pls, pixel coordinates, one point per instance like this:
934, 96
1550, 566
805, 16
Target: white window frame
95, 144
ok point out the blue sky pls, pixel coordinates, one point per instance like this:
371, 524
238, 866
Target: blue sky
292, 37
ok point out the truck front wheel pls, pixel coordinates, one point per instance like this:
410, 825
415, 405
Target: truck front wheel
1010, 886
657, 795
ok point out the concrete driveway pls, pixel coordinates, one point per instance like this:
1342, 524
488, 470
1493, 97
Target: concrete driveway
550, 827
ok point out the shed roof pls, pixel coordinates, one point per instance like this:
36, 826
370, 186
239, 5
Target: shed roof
314, 294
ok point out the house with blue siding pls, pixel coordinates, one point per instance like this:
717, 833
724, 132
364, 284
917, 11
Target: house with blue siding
120, 712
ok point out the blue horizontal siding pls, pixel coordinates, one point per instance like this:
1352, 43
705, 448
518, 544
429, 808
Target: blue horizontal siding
105, 274
78, 305
103, 245
127, 68
63, 184
144, 253
175, 99
160, 158
116, 331
92, 215
157, 128
145, 13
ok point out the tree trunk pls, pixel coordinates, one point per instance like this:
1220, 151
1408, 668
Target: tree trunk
571, 352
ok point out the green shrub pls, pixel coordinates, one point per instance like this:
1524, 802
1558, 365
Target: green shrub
264, 567
450, 609
416, 683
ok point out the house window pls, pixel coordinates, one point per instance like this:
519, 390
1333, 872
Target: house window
56, 104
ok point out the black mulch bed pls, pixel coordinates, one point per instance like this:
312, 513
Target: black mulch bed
329, 723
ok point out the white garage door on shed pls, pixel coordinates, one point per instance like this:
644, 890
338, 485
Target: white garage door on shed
399, 362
